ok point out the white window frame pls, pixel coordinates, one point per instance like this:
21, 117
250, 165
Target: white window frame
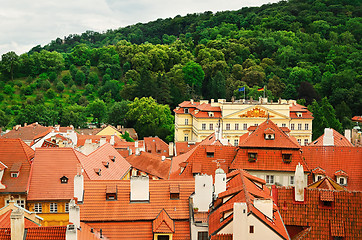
53, 207
236, 142
186, 110
236, 126
14, 174
284, 125
299, 126
269, 179
20, 202
38, 208
299, 141
186, 138
306, 142
306, 126
291, 180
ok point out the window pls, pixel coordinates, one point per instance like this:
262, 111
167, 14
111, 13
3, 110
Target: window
210, 154
299, 141
305, 142
292, 126
66, 207
269, 179
21, 203
186, 122
319, 177
228, 126
251, 229
236, 142
64, 179
203, 126
202, 236
291, 180
163, 237
306, 126
284, 125
186, 138
211, 126
38, 208
245, 126
236, 126
299, 126
287, 158
14, 175
53, 207
186, 110
341, 181
252, 157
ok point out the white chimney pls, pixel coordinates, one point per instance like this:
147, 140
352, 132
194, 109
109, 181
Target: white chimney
74, 213
347, 134
2, 186
88, 141
79, 187
299, 183
240, 221
112, 140
191, 101
265, 206
140, 188
17, 224
102, 141
328, 139
71, 233
170, 148
203, 192
220, 181
136, 144
163, 158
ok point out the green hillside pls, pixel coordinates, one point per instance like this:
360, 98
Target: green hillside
306, 50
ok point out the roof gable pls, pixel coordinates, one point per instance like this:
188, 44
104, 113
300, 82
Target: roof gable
339, 140
163, 223
257, 111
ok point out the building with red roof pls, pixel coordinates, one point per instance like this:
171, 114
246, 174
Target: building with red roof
245, 211
27, 133
138, 208
331, 138
15, 164
194, 121
89, 143
156, 145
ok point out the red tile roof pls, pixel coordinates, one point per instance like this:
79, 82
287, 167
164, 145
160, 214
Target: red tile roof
342, 218
256, 139
333, 159
97, 208
37, 233
357, 119
49, 165
247, 193
294, 109
96, 139
26, 133
14, 153
5, 221
222, 237
151, 164
113, 166
339, 140
163, 223
183, 147
326, 183
156, 145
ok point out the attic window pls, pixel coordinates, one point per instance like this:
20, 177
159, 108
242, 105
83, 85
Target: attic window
210, 154
186, 110
98, 171
342, 181
211, 114
287, 157
113, 158
327, 198
106, 164
252, 156
299, 114
14, 174
174, 191
269, 136
64, 179
111, 192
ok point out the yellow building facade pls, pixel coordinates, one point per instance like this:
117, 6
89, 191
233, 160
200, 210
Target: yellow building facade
194, 121
54, 213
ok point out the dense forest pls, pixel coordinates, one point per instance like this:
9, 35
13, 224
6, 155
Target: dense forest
308, 50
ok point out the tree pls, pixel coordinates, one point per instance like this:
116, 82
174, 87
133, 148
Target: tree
117, 113
193, 75
74, 115
9, 61
126, 137
80, 78
151, 119
60, 86
218, 88
4, 119
97, 110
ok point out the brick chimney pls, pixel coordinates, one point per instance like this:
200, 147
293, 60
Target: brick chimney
17, 224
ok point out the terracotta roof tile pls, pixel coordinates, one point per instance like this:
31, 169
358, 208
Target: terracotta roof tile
163, 223
326, 183
15, 154
295, 108
339, 140
151, 164
156, 145
46, 233
5, 221
222, 237
357, 119
96, 138
27, 133
183, 147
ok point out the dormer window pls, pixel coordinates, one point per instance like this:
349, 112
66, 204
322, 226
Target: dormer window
174, 191
299, 114
111, 193
211, 114
112, 158
287, 157
186, 110
98, 171
269, 134
269, 137
106, 164
14, 174
252, 156
64, 179
342, 181
318, 177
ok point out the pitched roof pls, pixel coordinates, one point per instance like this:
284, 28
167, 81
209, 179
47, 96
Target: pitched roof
113, 166
26, 133
36, 233
297, 108
326, 183
332, 159
49, 165
151, 164
95, 207
124, 147
96, 138
222, 237
156, 145
339, 140
14, 153
257, 138
163, 223
342, 219
183, 147
357, 119
5, 221
243, 188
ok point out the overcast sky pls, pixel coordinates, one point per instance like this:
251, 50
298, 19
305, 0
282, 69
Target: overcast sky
25, 24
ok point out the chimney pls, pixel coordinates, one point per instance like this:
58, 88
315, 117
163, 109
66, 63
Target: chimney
140, 188
240, 222
170, 148
265, 206
203, 192
71, 233
112, 140
102, 141
299, 183
136, 144
74, 213
79, 186
25, 124
220, 181
347, 134
328, 139
163, 158
192, 101
17, 224
274, 193
88, 141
